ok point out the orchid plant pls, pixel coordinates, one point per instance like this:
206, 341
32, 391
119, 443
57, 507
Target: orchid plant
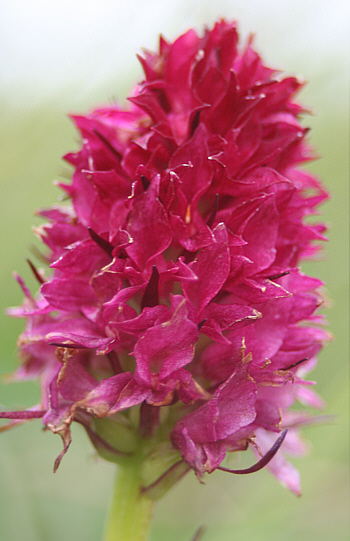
175, 324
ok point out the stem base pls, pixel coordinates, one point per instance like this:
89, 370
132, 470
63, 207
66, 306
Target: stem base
131, 511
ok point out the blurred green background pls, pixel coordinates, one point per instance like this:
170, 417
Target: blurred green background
60, 57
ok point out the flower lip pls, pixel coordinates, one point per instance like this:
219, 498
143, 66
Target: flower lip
25, 415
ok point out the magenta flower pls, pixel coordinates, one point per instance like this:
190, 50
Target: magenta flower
176, 313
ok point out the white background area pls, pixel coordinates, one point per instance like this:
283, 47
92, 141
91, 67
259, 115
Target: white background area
73, 48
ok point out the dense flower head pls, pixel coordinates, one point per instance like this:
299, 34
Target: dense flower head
175, 312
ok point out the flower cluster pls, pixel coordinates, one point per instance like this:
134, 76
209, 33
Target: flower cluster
175, 312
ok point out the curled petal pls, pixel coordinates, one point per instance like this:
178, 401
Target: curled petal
263, 461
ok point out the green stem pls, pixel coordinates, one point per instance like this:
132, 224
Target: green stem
131, 511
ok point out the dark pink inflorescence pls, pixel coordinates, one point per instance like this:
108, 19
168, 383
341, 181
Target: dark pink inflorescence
175, 289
